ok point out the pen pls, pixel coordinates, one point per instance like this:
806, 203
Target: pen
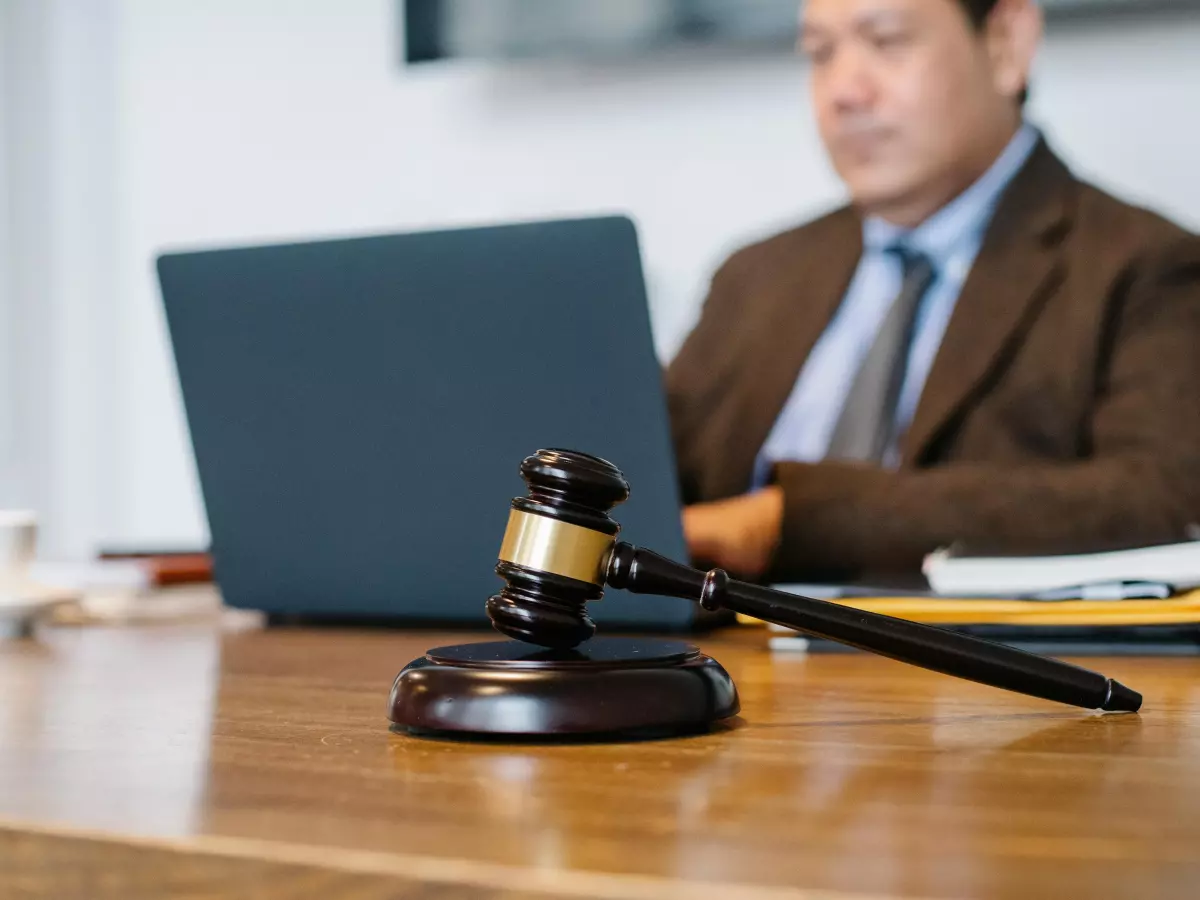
1108, 590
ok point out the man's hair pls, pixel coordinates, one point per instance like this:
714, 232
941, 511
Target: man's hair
978, 12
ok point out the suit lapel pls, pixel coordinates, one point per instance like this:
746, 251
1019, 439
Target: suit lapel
1017, 265
803, 303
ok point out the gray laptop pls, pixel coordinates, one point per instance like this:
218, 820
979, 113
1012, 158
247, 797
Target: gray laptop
359, 409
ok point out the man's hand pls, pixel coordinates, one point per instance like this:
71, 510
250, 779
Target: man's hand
739, 534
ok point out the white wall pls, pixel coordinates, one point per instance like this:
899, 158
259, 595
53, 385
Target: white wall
60, 104
239, 120
7, 448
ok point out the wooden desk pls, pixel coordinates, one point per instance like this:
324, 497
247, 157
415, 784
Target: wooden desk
177, 761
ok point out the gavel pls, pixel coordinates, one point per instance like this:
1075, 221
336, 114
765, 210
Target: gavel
560, 550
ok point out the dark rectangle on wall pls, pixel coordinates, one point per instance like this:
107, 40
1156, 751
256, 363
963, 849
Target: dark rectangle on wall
538, 29
419, 32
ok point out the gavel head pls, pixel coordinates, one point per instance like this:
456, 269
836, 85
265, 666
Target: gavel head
556, 548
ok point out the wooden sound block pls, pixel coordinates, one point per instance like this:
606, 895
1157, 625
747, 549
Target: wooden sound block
604, 689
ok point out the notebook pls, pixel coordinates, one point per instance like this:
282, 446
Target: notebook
1144, 571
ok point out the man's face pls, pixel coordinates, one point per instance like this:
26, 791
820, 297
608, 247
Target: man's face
906, 98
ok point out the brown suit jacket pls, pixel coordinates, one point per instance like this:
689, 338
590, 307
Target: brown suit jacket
1061, 414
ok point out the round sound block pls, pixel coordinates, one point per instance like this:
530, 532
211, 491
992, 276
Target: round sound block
606, 688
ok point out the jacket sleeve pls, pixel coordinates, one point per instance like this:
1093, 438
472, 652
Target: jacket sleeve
1139, 484
692, 377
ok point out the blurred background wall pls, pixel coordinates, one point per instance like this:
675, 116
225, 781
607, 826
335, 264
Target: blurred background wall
130, 126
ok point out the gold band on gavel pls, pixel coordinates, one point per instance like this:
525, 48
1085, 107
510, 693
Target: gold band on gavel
560, 548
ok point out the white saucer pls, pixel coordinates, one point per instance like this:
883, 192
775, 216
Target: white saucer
22, 603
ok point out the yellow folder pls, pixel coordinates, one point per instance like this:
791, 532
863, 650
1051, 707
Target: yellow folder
1182, 609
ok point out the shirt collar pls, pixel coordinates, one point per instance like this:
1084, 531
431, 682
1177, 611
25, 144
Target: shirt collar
963, 219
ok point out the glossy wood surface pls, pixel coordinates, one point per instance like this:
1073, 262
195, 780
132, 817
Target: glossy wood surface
179, 760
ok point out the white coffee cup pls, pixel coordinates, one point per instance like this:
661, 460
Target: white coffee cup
19, 605
18, 545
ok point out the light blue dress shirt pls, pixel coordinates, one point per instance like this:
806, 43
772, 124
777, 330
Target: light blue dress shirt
951, 239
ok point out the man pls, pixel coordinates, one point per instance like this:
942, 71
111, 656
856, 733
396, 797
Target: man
980, 350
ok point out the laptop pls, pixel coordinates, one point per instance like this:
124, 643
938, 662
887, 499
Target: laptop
359, 409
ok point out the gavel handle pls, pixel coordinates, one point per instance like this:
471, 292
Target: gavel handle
951, 653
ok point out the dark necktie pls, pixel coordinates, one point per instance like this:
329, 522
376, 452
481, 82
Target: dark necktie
865, 428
